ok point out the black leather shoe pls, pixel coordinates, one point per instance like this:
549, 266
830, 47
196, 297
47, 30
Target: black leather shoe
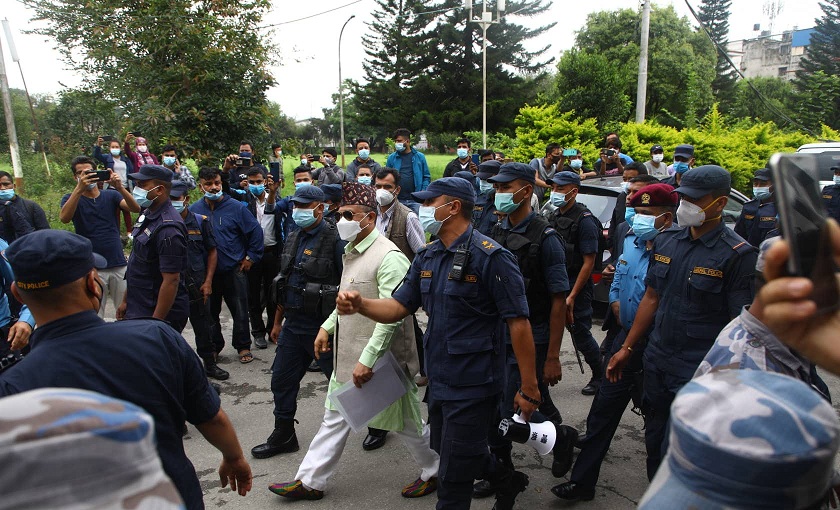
591, 388
214, 371
506, 496
282, 440
571, 491
564, 447
483, 489
375, 439
313, 367
261, 342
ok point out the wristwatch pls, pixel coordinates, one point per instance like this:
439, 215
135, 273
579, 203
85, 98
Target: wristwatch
248, 258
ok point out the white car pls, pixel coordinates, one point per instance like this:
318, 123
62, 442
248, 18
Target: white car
828, 157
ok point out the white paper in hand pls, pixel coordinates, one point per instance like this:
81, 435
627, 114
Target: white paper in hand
359, 406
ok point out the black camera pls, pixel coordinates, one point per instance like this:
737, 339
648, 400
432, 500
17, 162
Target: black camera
610, 153
9, 360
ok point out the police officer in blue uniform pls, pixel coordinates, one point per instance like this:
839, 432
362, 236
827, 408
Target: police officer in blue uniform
654, 205
580, 231
699, 279
831, 195
305, 290
155, 274
332, 201
758, 217
484, 211
201, 254
471, 289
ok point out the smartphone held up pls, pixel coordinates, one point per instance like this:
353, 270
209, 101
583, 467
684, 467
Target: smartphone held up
803, 220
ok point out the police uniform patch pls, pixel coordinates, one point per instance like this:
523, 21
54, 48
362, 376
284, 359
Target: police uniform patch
478, 208
708, 272
471, 278
829, 197
307, 252
487, 244
749, 216
425, 274
767, 218
662, 258
645, 199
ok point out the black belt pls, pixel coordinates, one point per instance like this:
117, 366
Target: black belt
268, 249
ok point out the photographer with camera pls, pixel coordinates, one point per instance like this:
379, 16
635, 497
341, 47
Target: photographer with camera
235, 170
612, 161
92, 212
331, 173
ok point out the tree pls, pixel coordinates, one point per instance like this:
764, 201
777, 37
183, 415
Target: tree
191, 72
746, 104
606, 101
395, 43
714, 14
680, 64
817, 81
77, 119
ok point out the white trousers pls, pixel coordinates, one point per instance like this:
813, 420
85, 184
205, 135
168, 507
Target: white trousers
321, 461
113, 281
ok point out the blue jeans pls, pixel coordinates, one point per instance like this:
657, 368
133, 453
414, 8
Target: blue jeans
232, 286
294, 353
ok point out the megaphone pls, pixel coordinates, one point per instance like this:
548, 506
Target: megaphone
545, 437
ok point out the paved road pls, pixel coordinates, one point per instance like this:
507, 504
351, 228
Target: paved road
372, 480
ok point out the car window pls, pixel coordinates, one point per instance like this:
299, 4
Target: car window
601, 206
732, 210
826, 158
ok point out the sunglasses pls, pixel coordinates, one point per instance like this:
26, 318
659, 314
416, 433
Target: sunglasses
349, 215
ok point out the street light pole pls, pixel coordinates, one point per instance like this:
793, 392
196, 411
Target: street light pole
341, 91
641, 87
485, 21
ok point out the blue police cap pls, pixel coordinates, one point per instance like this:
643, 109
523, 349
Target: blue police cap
465, 174
179, 189
488, 169
762, 174
149, 172
513, 171
684, 150
746, 438
308, 194
46, 259
332, 192
566, 177
454, 187
699, 182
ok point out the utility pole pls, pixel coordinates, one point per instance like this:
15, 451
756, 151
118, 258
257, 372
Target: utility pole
341, 92
641, 90
10, 122
16, 58
485, 21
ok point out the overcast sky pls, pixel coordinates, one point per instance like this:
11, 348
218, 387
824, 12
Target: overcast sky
306, 73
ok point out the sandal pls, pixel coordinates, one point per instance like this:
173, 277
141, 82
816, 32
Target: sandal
246, 357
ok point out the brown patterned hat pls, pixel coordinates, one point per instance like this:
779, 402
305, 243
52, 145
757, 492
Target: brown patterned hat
359, 194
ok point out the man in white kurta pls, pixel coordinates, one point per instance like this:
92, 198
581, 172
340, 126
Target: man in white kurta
373, 266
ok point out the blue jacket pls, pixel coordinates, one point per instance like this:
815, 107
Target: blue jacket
237, 231
422, 177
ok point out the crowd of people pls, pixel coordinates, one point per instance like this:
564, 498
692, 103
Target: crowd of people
335, 273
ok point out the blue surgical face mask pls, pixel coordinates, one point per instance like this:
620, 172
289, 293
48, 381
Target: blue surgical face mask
680, 167
428, 221
364, 179
463, 153
213, 196
485, 187
303, 217
178, 205
629, 212
115, 152
304, 162
256, 189
837, 180
302, 184
7, 194
169, 160
644, 226
399, 147
558, 199
504, 201
761, 193
141, 196
364, 153
576, 164
625, 186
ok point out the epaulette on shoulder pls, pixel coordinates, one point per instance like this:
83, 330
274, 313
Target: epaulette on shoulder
487, 245
737, 243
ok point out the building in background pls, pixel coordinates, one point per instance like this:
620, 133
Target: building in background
772, 56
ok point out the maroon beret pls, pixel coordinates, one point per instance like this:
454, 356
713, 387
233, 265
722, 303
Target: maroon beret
354, 193
655, 195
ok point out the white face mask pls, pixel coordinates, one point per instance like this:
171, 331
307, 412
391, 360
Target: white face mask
691, 215
384, 197
348, 229
657, 158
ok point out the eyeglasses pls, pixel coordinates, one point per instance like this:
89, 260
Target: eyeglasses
349, 215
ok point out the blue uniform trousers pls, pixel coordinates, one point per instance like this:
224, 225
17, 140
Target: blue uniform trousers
604, 416
294, 353
458, 433
582, 328
660, 388
232, 286
203, 325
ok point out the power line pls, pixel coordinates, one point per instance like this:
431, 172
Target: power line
760, 96
311, 15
